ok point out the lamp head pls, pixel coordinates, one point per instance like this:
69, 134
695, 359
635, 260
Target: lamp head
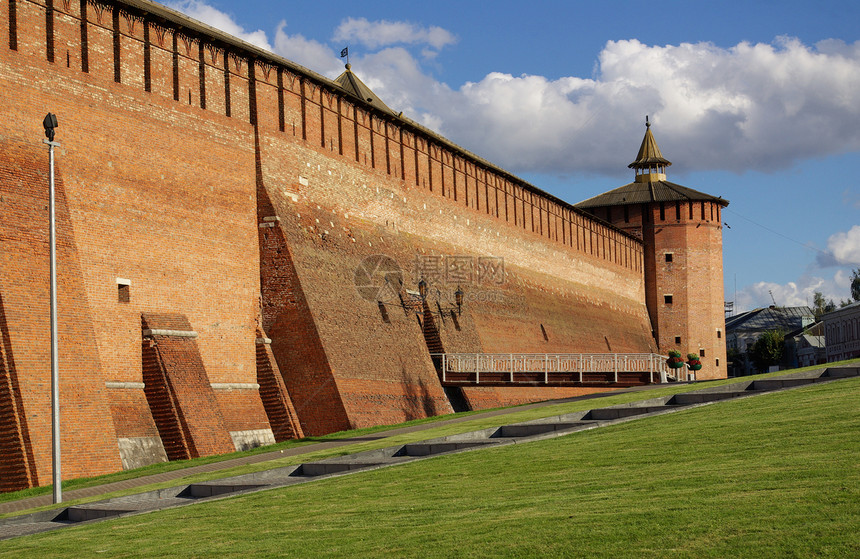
458, 297
50, 123
422, 289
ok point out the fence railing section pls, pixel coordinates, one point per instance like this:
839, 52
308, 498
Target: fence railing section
528, 367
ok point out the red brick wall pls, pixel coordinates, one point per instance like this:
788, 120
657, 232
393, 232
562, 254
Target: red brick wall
381, 369
279, 407
86, 430
494, 397
179, 381
137, 205
130, 412
165, 183
17, 468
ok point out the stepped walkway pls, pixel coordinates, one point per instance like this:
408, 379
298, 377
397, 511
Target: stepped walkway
283, 476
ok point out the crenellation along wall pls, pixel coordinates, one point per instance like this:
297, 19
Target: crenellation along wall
125, 44
140, 212
178, 141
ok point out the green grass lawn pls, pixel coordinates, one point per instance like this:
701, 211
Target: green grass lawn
184, 464
444, 428
777, 475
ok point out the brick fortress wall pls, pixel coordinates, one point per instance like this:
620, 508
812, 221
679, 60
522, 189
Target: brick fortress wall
203, 178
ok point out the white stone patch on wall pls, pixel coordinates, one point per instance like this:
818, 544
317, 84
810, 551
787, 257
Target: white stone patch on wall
245, 440
140, 451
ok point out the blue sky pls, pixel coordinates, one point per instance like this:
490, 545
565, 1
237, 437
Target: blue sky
757, 102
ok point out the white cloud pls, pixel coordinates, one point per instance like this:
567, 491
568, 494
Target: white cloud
843, 253
788, 295
801, 293
748, 107
376, 34
211, 16
845, 246
791, 294
307, 52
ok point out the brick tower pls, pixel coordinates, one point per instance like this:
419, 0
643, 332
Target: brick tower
681, 230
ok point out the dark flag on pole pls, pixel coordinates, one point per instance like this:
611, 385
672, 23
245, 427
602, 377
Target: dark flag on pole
344, 53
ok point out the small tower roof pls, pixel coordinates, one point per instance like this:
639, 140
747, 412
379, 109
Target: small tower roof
649, 186
649, 152
644, 193
354, 87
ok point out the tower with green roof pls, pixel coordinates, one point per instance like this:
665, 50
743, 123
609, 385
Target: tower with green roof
681, 230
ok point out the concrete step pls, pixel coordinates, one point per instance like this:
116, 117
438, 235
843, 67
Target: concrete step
841, 372
702, 397
202, 490
312, 469
83, 513
604, 414
529, 430
776, 384
428, 449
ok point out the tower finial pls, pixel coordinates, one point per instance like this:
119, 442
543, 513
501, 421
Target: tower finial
650, 165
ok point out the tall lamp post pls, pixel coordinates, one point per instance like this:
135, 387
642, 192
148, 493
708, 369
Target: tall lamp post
50, 123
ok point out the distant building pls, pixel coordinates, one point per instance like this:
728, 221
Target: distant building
842, 333
805, 347
742, 330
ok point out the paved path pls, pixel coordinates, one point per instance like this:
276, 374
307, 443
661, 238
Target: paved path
97, 490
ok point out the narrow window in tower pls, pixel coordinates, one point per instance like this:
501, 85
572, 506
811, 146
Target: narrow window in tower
719, 333
626, 214
701, 353
662, 211
691, 210
703, 211
669, 257
677, 210
718, 362
677, 340
667, 299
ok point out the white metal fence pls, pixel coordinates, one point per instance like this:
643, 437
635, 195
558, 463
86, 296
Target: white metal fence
548, 363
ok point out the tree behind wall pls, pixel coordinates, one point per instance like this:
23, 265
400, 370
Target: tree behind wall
768, 350
855, 285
